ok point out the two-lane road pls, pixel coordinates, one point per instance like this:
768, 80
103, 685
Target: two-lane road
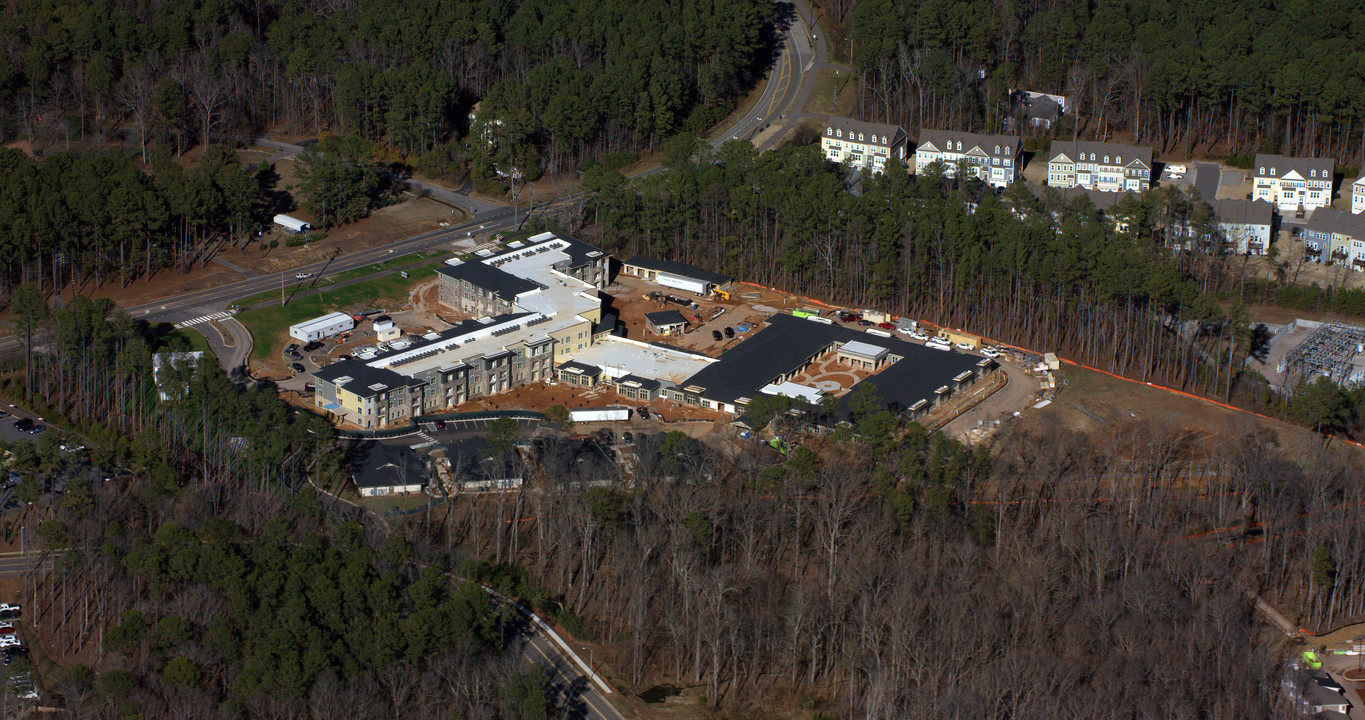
580, 699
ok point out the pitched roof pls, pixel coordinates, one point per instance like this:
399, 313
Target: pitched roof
1277, 166
375, 464
1243, 212
666, 317
883, 134
1323, 220
501, 283
364, 381
1100, 199
1100, 150
989, 145
677, 268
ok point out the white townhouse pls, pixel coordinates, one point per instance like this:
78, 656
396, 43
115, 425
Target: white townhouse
1358, 195
1245, 225
1293, 184
994, 158
863, 145
1104, 166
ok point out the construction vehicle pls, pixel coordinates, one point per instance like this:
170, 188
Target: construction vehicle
720, 294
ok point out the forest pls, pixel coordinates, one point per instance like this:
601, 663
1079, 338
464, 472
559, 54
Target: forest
1032, 272
1244, 76
559, 81
884, 573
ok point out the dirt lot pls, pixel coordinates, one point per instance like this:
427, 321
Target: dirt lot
1090, 401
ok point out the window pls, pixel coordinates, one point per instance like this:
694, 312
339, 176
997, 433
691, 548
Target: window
1272, 172
1118, 160
1106, 159
829, 131
860, 137
1261, 171
1007, 162
839, 133
997, 149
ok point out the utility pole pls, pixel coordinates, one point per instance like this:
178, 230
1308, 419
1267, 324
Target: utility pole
281, 288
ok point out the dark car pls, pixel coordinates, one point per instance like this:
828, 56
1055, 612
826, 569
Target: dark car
37, 430
644, 413
440, 424
865, 323
23, 424
298, 367
729, 331
292, 347
310, 387
3, 414
628, 437
715, 335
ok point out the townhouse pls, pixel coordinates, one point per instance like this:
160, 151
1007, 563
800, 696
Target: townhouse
1293, 185
1336, 238
992, 158
1244, 227
1104, 166
1358, 195
863, 145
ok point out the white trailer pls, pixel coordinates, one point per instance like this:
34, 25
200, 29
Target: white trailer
292, 225
611, 414
678, 282
322, 327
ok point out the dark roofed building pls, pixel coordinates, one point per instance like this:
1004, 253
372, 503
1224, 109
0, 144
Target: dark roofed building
676, 275
382, 469
995, 159
865, 145
577, 373
782, 350
666, 322
635, 387
481, 289
1106, 166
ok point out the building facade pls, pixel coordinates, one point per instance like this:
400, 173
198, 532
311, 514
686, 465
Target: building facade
1336, 238
549, 287
1107, 167
1358, 195
992, 158
863, 145
1293, 185
1245, 227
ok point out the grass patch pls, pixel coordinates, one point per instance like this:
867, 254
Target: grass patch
164, 336
825, 94
269, 324
385, 503
390, 264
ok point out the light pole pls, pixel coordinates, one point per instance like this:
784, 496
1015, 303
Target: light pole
591, 665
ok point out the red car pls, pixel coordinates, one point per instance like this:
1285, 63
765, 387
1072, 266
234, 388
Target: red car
6, 629
886, 326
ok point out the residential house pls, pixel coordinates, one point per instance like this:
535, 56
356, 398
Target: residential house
1105, 166
1245, 226
1036, 110
1335, 237
864, 145
1293, 185
1106, 202
1358, 195
992, 158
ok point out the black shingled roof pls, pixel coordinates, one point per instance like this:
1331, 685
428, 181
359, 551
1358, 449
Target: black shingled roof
501, 283
677, 268
666, 317
789, 341
380, 465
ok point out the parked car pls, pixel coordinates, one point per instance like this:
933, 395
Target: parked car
292, 347
6, 628
643, 413
729, 331
990, 352
715, 335
3, 414
917, 335
310, 387
965, 347
303, 275
312, 346
298, 367
886, 326
864, 323
23, 424
72, 447
440, 424
37, 430
628, 437
10, 612
10, 640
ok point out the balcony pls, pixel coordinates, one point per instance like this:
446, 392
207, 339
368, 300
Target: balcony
1339, 254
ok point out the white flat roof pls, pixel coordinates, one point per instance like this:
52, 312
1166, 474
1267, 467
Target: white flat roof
324, 321
862, 349
620, 356
793, 390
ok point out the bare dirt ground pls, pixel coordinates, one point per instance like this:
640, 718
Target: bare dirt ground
1090, 401
542, 396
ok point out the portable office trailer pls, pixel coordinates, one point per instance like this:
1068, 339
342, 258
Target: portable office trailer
700, 287
292, 225
612, 414
322, 327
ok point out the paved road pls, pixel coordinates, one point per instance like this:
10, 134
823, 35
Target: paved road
579, 697
17, 565
786, 81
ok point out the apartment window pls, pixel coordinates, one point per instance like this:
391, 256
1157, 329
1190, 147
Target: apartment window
1261, 171
997, 149
829, 131
1272, 172
995, 161
1007, 162
860, 137
1118, 160
1106, 159
839, 133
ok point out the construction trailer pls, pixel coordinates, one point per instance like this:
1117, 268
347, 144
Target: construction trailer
322, 327
608, 414
677, 282
292, 225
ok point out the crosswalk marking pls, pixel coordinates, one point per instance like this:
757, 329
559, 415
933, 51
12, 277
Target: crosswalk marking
206, 318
